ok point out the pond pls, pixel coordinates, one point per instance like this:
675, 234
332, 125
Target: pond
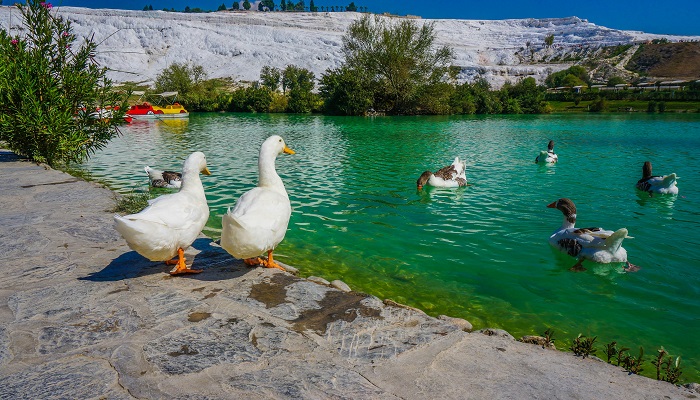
480, 252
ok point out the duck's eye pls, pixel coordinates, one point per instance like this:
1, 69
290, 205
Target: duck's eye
280, 140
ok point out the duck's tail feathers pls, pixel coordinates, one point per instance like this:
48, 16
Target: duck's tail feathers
614, 241
669, 180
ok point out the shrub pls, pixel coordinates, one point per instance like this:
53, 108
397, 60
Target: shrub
51, 90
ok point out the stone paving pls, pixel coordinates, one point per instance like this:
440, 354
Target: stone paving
84, 317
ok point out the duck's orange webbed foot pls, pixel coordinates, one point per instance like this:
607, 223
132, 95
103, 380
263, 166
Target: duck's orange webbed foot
270, 262
253, 262
180, 266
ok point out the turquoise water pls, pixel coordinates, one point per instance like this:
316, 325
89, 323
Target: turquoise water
480, 252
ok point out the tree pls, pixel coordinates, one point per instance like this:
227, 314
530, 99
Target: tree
299, 6
312, 6
51, 89
187, 9
351, 7
572, 76
298, 84
235, 5
180, 77
345, 92
270, 4
246, 5
616, 80
222, 7
549, 39
399, 59
270, 77
283, 5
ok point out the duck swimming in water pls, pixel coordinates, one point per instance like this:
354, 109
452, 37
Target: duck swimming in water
163, 179
594, 244
656, 184
450, 176
548, 156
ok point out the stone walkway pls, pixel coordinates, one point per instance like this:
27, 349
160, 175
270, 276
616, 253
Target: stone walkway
84, 317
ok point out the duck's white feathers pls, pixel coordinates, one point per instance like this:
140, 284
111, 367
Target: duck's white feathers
258, 222
659, 184
170, 221
595, 244
255, 228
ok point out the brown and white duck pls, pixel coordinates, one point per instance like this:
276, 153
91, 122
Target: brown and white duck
164, 179
656, 184
594, 244
547, 156
450, 176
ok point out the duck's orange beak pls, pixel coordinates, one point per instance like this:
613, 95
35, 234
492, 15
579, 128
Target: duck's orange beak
552, 205
205, 171
288, 150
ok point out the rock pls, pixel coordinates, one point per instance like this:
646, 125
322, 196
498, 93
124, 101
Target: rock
318, 280
538, 340
463, 324
340, 285
496, 332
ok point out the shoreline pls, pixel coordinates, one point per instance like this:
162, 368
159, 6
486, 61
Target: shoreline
84, 316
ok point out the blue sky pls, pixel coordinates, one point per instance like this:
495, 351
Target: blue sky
679, 17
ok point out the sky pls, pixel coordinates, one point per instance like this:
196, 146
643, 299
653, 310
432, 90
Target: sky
676, 17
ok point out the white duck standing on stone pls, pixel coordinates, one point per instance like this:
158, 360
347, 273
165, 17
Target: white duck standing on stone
452, 175
258, 222
656, 184
171, 223
594, 244
547, 156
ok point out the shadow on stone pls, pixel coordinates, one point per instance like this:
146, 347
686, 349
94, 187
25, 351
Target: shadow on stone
8, 156
126, 266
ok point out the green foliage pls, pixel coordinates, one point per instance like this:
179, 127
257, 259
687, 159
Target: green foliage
222, 7
180, 77
615, 80
651, 107
298, 84
131, 202
632, 364
195, 92
345, 92
548, 336
270, 77
351, 7
611, 350
672, 370
270, 4
583, 346
246, 5
598, 105
572, 76
312, 6
462, 100
549, 39
49, 87
662, 106
235, 5
399, 59
254, 98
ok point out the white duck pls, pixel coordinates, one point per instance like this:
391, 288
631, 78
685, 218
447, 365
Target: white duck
172, 222
595, 244
163, 179
548, 156
450, 176
656, 184
259, 220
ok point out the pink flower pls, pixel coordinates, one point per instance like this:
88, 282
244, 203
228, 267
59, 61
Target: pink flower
65, 34
14, 41
47, 6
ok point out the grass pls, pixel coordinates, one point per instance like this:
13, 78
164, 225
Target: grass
131, 202
636, 105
